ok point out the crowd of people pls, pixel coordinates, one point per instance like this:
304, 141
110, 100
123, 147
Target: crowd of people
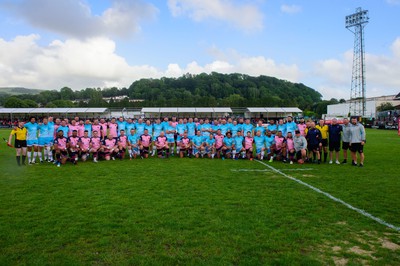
62, 140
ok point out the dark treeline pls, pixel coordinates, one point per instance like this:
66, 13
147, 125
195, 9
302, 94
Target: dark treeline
203, 90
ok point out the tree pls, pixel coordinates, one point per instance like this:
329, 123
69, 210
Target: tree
14, 102
385, 107
30, 103
67, 94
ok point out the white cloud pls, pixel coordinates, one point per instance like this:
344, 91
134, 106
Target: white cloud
94, 63
291, 9
381, 74
74, 63
74, 18
246, 17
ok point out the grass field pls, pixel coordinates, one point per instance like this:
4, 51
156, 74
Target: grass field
201, 211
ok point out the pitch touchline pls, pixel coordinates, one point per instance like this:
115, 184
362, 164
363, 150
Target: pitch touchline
266, 170
362, 212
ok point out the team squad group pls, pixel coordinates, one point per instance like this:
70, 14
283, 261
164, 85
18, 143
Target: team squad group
63, 140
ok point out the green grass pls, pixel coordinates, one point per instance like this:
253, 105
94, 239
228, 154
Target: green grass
194, 211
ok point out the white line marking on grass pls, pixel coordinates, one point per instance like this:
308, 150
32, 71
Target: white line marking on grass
266, 170
362, 212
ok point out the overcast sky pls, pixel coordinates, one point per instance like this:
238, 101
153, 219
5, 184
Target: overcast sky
49, 44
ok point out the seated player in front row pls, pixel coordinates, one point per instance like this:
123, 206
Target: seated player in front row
109, 148
161, 144
95, 145
198, 144
185, 146
229, 146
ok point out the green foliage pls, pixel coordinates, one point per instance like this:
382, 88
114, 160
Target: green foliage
385, 107
62, 103
215, 89
199, 211
14, 102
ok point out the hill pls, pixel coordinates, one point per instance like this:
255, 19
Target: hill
18, 91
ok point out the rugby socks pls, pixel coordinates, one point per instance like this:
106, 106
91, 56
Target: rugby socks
29, 156
262, 155
325, 156
18, 160
40, 155
34, 156
23, 159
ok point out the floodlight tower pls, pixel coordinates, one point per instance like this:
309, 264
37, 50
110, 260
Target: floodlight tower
356, 23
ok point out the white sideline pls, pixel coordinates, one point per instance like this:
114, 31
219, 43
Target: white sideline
362, 212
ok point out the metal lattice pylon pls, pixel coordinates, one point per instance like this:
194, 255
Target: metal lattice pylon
356, 23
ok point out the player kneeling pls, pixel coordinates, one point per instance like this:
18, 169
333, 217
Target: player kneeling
60, 149
300, 146
133, 144
198, 145
228, 147
248, 145
109, 148
122, 142
185, 147
73, 147
239, 150
259, 141
162, 146
85, 146
95, 146
144, 144
210, 147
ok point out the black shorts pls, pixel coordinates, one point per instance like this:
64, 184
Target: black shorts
334, 146
357, 147
324, 142
312, 147
20, 144
298, 155
345, 146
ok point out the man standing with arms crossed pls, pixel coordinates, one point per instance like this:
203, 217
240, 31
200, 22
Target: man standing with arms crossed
357, 141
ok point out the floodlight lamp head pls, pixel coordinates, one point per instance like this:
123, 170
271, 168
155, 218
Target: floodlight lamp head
358, 18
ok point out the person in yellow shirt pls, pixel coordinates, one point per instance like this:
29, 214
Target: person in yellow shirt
324, 133
20, 142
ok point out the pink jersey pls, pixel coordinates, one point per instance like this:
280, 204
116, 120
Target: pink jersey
85, 143
174, 124
145, 139
104, 129
73, 141
248, 142
219, 141
72, 128
185, 141
113, 128
109, 143
290, 144
279, 142
61, 143
96, 143
96, 128
302, 129
161, 141
123, 141
55, 130
81, 129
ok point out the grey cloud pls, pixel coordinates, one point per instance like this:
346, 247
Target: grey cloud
74, 18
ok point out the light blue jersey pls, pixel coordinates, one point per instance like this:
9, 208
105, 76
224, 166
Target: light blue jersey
205, 127
149, 129
269, 141
170, 136
247, 128
198, 140
88, 127
140, 128
64, 129
235, 129
238, 142
157, 129
272, 127
191, 129
259, 141
31, 131
261, 129
121, 125
128, 127
282, 128
224, 128
133, 139
291, 127
215, 128
181, 128
44, 131
228, 141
